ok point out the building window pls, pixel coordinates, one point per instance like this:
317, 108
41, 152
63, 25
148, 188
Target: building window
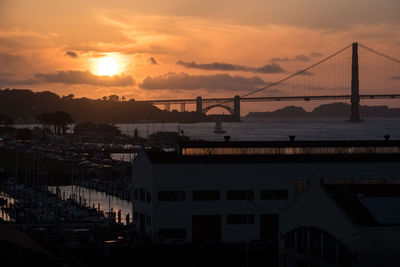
136, 194
274, 194
315, 243
240, 194
289, 240
175, 233
148, 197
329, 247
206, 195
240, 219
302, 240
372, 181
171, 195
396, 181
318, 245
300, 185
141, 194
339, 181
344, 256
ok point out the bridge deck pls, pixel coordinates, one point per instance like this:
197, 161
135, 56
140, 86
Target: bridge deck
270, 98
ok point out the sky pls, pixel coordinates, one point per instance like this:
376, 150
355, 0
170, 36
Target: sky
180, 48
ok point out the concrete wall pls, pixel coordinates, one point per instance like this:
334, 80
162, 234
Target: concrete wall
379, 246
143, 177
223, 177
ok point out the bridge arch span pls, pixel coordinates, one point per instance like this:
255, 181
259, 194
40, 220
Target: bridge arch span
228, 108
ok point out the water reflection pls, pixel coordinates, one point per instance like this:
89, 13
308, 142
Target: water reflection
93, 198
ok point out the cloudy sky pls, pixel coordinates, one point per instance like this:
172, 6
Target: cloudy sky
180, 48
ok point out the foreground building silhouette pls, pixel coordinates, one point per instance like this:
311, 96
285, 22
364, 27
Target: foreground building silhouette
237, 192
342, 225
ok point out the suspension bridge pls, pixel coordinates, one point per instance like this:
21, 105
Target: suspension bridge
352, 73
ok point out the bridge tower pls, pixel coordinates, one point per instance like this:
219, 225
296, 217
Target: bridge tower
199, 105
355, 96
236, 108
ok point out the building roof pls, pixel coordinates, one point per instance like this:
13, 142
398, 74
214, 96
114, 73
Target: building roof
279, 151
174, 158
368, 204
294, 143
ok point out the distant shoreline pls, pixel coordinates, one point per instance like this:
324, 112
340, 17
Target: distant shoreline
333, 110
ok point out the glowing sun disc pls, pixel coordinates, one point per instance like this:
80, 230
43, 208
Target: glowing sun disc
107, 66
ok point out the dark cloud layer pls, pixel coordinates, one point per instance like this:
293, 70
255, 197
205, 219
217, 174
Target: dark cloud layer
71, 54
297, 58
73, 77
269, 68
85, 77
5, 81
184, 81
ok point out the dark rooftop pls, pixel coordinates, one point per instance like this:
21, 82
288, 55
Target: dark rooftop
295, 143
279, 151
356, 200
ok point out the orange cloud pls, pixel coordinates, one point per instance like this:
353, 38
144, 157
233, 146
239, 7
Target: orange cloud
184, 81
73, 77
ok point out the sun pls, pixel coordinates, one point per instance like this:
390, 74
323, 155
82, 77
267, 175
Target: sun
107, 66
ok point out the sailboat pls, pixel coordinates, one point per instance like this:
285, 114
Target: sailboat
218, 127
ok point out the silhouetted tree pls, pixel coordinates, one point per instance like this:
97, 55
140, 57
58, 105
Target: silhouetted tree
61, 121
68, 97
27, 105
57, 121
45, 119
113, 98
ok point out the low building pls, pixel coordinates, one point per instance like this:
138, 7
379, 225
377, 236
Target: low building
342, 225
235, 191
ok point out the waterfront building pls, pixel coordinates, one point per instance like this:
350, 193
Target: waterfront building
234, 191
342, 225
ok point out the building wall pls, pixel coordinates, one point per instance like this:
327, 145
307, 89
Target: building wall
223, 177
379, 246
370, 246
142, 178
314, 208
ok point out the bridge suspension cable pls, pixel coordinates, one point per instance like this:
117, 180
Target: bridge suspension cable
377, 76
295, 74
379, 53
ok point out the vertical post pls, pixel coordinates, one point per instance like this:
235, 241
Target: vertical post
355, 96
16, 166
236, 108
199, 105
167, 106
183, 107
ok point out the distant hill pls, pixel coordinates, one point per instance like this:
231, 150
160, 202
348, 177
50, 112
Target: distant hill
24, 105
329, 110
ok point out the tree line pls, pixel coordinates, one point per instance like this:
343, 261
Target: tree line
26, 105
